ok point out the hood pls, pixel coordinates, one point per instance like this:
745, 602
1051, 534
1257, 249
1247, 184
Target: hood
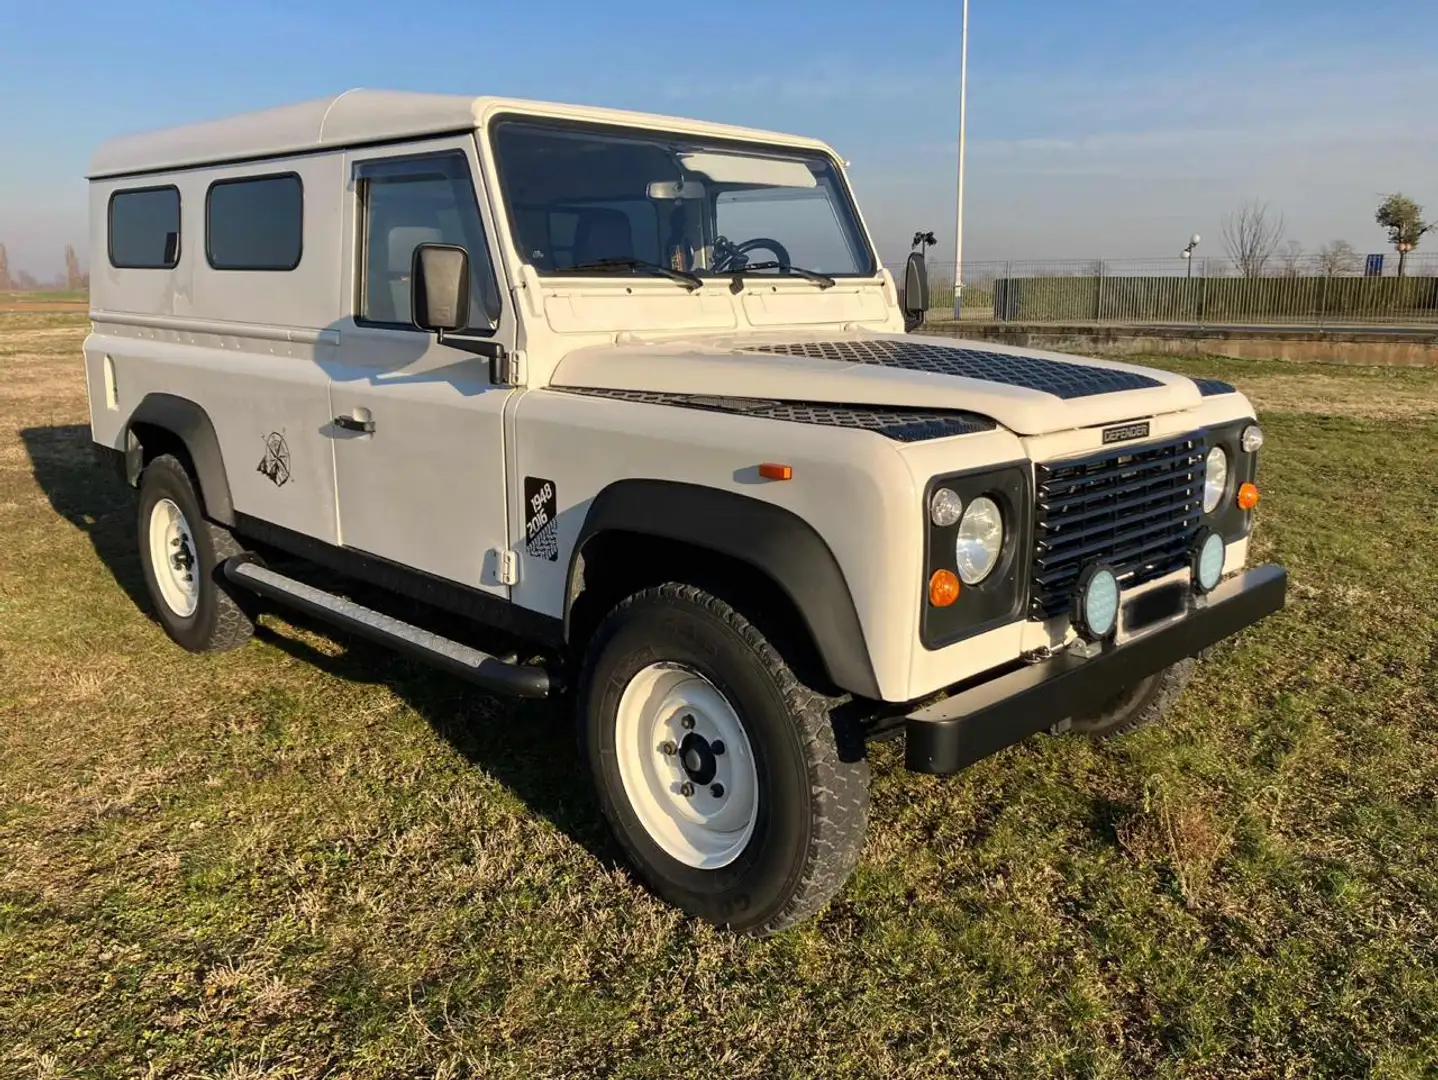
1030, 392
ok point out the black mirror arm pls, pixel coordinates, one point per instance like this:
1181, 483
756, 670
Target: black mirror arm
500, 369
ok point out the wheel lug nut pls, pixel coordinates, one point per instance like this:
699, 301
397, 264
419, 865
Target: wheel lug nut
686, 789
716, 748
687, 722
717, 790
668, 749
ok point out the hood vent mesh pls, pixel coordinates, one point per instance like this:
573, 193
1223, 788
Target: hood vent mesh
899, 424
1054, 377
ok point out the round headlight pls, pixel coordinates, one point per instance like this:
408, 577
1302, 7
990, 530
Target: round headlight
1096, 604
980, 540
1252, 438
1208, 563
945, 507
1215, 479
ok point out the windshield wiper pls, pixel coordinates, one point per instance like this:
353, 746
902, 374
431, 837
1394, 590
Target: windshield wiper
694, 281
824, 280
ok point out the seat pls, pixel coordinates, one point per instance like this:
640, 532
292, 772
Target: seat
602, 234
391, 303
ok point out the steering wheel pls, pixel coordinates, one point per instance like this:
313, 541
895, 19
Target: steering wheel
734, 257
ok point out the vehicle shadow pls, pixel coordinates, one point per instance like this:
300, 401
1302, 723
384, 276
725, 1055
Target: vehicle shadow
89, 497
529, 746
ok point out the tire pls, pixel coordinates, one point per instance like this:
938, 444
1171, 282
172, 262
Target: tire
1145, 702
199, 614
755, 864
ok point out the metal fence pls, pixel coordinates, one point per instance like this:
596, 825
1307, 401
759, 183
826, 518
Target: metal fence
1286, 290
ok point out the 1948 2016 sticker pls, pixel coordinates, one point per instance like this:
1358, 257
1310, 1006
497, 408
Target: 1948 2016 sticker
541, 524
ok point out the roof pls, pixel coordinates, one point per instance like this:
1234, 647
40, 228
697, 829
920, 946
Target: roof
356, 118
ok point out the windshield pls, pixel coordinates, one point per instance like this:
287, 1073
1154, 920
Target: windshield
598, 198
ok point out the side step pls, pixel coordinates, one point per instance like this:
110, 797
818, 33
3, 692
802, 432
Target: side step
480, 668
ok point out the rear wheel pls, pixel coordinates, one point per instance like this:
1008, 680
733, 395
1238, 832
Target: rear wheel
1145, 702
719, 771
181, 554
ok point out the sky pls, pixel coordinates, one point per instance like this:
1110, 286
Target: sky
1097, 128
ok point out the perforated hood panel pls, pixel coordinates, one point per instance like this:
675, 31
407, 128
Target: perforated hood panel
899, 424
1032, 373
1025, 391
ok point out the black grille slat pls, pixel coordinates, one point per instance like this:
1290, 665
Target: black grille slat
1110, 472
1173, 492
1107, 541
1138, 510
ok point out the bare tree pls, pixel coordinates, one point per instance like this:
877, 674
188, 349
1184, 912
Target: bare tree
1403, 218
1337, 258
1291, 259
1251, 235
5, 282
74, 276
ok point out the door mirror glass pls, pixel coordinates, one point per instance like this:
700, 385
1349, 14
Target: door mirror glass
439, 294
916, 290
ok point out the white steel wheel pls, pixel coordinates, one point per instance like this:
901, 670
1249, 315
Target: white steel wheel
686, 765
172, 556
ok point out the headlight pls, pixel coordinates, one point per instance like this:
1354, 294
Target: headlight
1215, 479
1252, 438
980, 540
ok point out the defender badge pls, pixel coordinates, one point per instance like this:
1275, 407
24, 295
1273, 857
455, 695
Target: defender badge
276, 462
1125, 432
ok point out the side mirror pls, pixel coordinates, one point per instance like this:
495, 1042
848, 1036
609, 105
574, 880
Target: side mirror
439, 288
916, 291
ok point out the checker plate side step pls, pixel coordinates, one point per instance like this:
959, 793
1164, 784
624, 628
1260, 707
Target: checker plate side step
496, 675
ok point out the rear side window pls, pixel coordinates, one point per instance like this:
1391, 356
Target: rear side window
256, 223
145, 229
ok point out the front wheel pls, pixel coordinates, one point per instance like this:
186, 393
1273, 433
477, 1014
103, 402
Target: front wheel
719, 771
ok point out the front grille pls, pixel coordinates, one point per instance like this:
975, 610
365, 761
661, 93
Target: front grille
1137, 510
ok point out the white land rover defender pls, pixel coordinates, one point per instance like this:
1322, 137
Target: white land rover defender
636, 395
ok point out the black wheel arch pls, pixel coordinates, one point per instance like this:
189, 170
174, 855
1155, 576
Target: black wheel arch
777, 543
162, 419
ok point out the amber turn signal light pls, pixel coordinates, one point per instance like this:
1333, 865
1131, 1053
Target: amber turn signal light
1247, 496
943, 588
770, 471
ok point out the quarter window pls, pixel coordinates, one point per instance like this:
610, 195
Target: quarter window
406, 202
145, 229
256, 223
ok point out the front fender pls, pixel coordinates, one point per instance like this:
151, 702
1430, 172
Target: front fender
773, 540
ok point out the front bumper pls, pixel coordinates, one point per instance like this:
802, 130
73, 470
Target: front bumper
973, 723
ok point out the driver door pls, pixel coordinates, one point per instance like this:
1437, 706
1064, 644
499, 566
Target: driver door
425, 487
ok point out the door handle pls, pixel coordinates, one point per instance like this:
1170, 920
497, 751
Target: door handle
361, 423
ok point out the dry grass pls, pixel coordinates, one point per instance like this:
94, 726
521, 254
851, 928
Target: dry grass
312, 859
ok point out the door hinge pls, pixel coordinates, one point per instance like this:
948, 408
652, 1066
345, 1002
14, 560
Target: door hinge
508, 567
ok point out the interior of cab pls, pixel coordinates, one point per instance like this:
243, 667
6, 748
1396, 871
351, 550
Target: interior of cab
582, 197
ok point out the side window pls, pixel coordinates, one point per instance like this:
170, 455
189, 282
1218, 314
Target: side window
255, 223
407, 202
145, 229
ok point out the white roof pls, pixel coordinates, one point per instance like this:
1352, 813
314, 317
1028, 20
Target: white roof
357, 117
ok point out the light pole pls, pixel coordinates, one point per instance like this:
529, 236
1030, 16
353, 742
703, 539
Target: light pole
963, 132
1188, 252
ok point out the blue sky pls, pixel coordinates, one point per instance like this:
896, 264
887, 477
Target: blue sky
1108, 128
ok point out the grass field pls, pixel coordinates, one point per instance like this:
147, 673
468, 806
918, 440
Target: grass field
309, 858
